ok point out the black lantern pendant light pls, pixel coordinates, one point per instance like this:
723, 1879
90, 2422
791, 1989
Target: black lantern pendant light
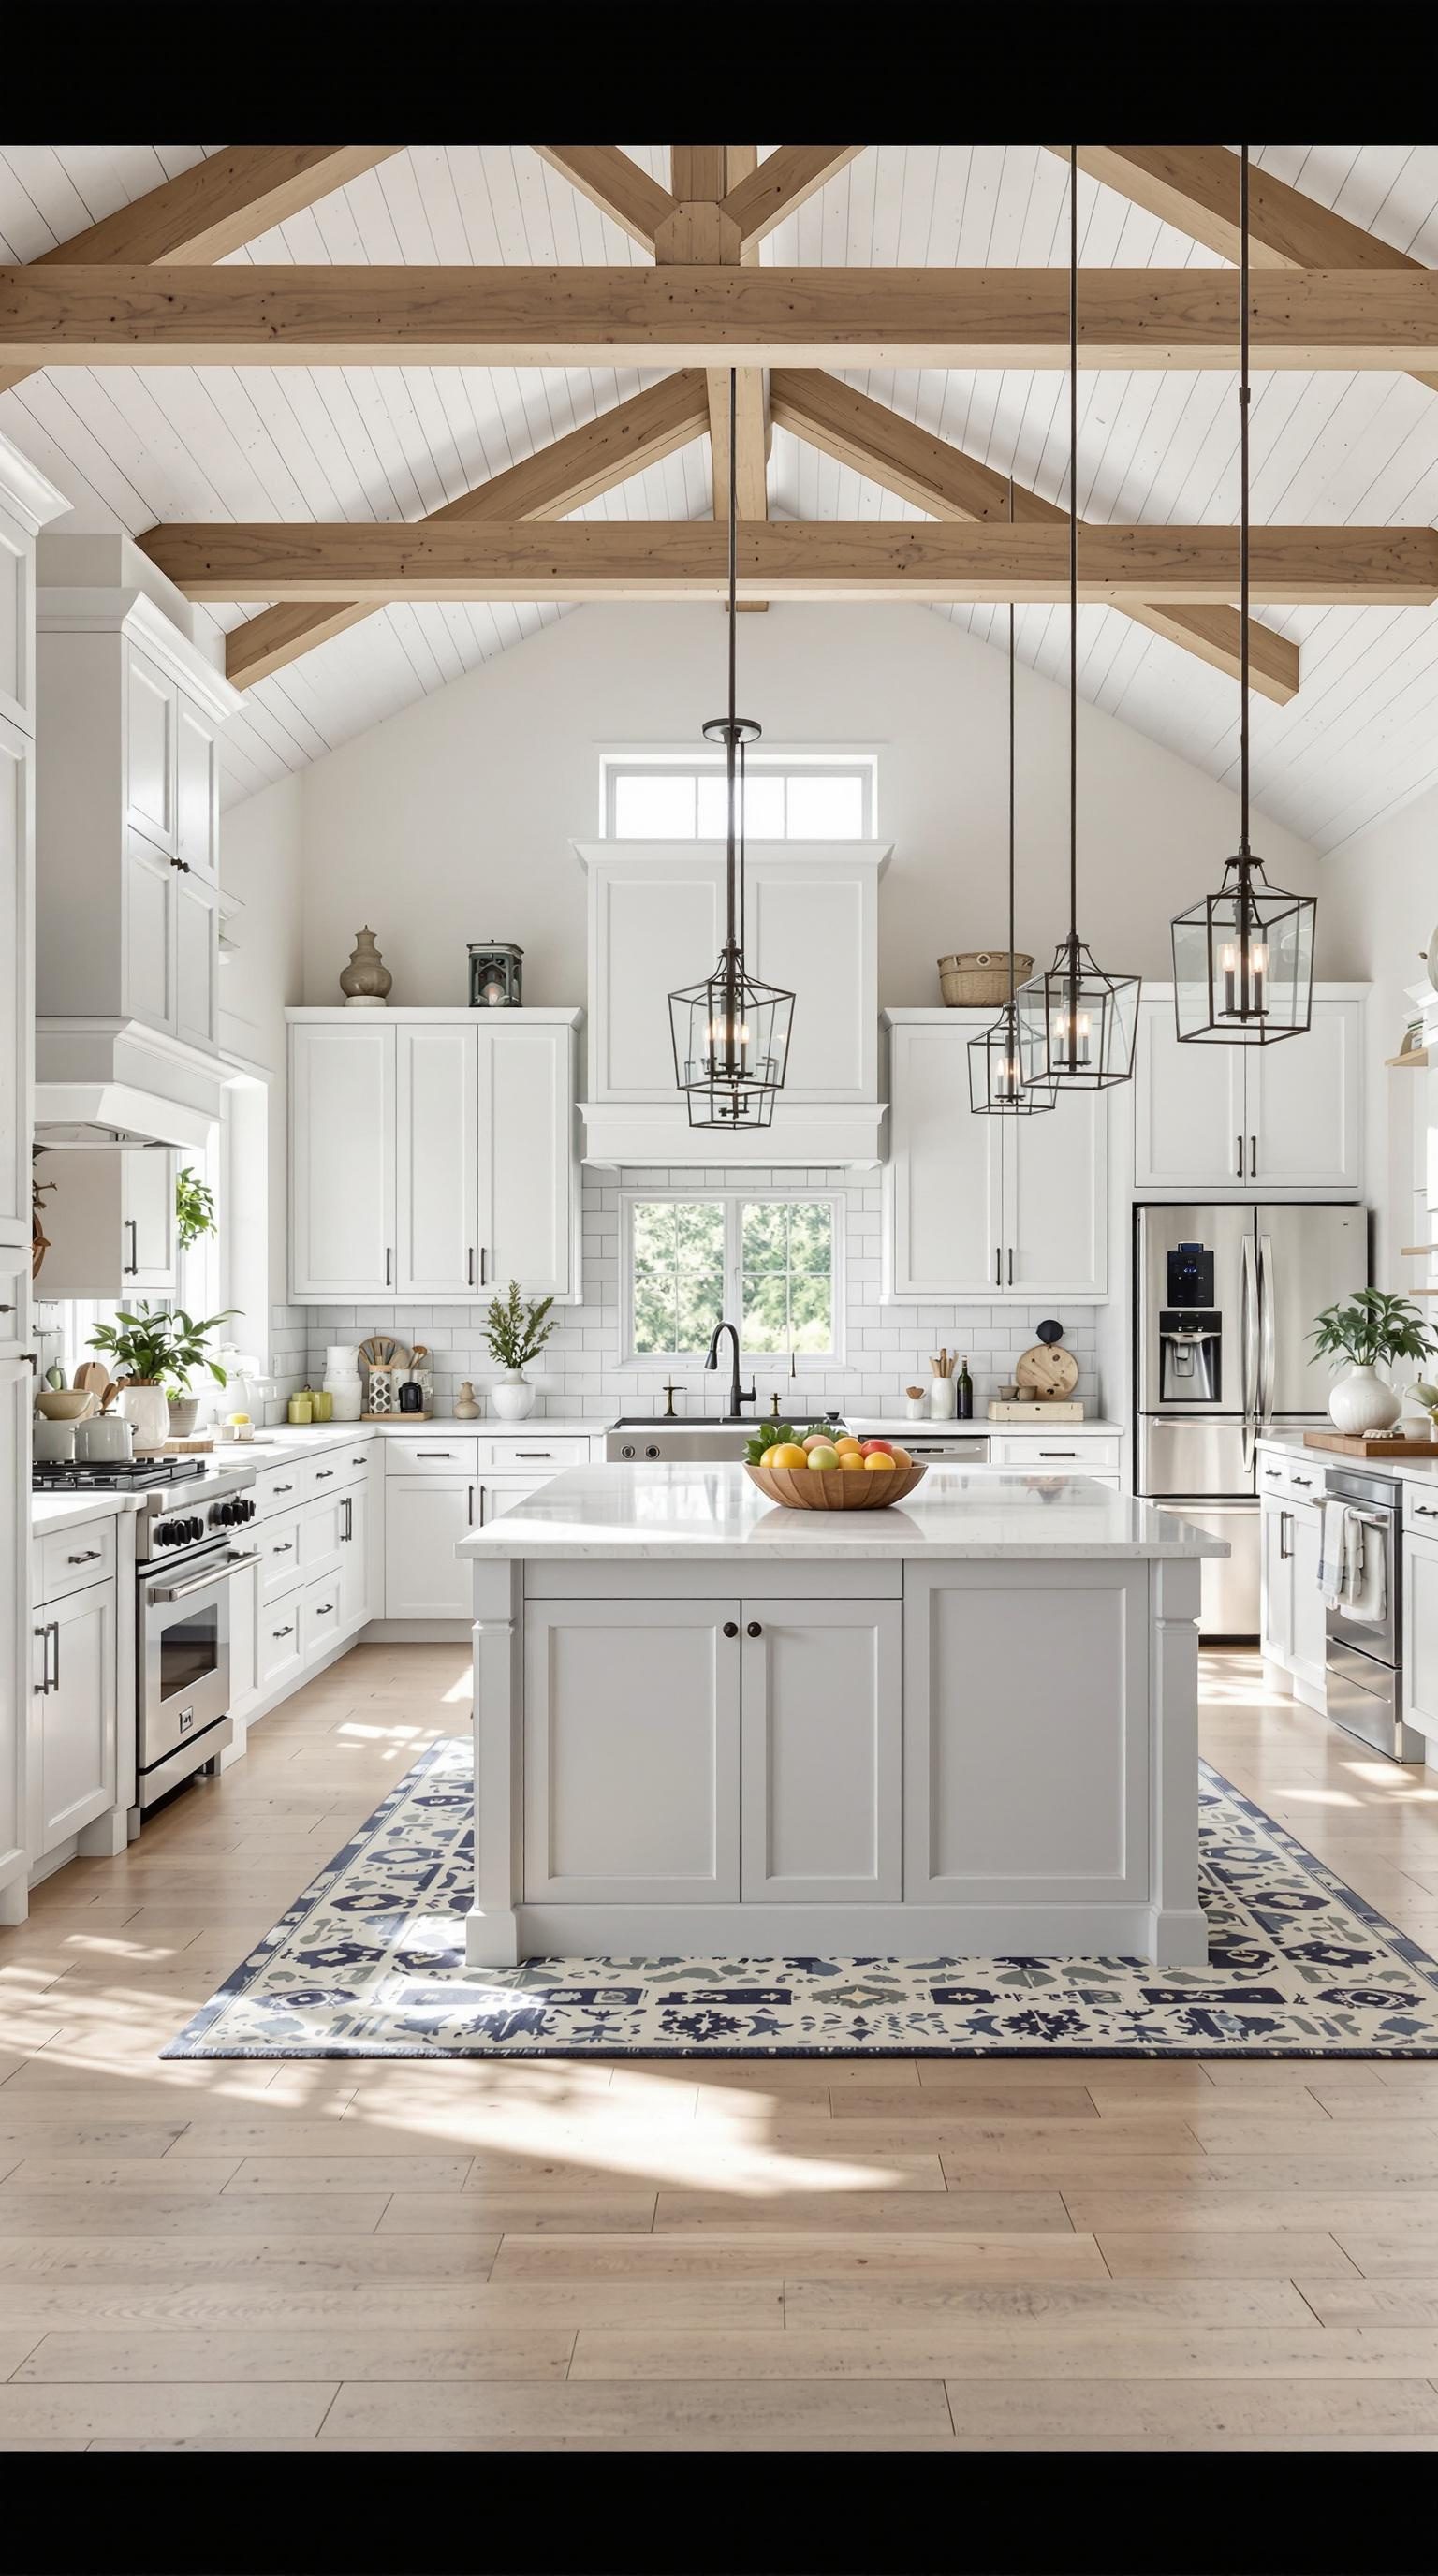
1077, 1024
1243, 958
996, 1084
731, 1033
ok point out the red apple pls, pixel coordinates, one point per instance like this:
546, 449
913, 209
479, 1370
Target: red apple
869, 1446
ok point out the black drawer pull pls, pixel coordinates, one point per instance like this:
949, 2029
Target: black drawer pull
321, 1473
282, 1632
284, 1489
731, 1628
754, 1628
87, 1556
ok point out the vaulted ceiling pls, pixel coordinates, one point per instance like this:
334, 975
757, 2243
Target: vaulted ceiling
136, 445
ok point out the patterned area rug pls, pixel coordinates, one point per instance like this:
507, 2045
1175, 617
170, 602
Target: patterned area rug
369, 1962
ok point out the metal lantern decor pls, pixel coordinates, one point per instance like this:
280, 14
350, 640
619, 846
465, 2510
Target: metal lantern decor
996, 1081
496, 974
731, 1033
1077, 1024
1243, 958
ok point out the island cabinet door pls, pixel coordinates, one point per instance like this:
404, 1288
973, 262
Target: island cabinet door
822, 1751
1025, 1732
631, 1751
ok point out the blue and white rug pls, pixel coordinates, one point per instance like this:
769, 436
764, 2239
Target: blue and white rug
369, 1962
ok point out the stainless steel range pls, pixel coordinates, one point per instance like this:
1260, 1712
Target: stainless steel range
186, 1560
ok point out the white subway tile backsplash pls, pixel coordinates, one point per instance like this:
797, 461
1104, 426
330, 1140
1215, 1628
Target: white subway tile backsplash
584, 1373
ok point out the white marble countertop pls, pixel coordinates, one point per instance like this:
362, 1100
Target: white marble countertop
68, 1511
288, 1439
683, 1511
886, 1426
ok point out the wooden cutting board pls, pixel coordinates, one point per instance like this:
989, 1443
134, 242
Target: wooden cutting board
1364, 1444
1046, 1370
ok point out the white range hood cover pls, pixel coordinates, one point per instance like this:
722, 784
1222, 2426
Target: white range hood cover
102, 1082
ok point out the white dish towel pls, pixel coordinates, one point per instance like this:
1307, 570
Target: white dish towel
1365, 1589
1333, 1554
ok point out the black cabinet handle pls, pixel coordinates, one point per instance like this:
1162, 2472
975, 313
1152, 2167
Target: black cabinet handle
470, 1258
1011, 1265
133, 1264
86, 1556
283, 1632
388, 1266
321, 1473
1253, 1158
284, 1489
754, 1628
1238, 1140
731, 1628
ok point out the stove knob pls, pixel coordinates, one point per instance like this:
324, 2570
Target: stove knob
220, 1514
197, 1528
164, 1534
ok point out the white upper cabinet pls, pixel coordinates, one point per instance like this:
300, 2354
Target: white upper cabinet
127, 815
988, 1208
656, 924
1264, 1118
342, 1159
432, 1154
17, 805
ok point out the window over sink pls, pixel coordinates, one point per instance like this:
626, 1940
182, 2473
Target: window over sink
768, 1260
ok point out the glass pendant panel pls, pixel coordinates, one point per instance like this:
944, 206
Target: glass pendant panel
731, 1046
996, 1078
1077, 1025
1243, 962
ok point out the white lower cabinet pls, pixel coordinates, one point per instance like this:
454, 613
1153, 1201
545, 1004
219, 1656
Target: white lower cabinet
320, 1616
496, 1493
281, 1644
425, 1518
244, 1598
354, 1559
74, 1709
632, 1792
822, 1751
1420, 1632
1293, 1633
1000, 1803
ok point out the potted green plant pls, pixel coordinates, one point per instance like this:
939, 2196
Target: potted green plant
1370, 1329
516, 1334
152, 1351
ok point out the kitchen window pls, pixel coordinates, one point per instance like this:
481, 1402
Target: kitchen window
768, 1261
658, 796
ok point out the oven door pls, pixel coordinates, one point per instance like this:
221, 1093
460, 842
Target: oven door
185, 1651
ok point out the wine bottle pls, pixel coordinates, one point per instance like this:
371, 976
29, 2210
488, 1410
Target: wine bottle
964, 1394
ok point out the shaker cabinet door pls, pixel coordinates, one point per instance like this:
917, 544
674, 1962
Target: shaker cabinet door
197, 961
526, 1156
197, 839
342, 1161
425, 1518
147, 1221
1303, 1104
1188, 1109
148, 934
822, 1742
944, 1175
1056, 1199
73, 1723
16, 1005
151, 703
437, 1166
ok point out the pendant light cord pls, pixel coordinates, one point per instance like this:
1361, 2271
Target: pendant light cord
1012, 759
1243, 390
1073, 549
733, 624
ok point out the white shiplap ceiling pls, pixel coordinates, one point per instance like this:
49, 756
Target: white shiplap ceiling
131, 446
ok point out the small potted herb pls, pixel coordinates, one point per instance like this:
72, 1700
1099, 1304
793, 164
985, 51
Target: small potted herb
153, 1351
516, 1334
1370, 1330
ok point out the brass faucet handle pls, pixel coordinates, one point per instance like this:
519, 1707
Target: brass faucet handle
775, 1405
671, 1390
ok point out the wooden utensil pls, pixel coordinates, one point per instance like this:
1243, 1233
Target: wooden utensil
384, 1352
1047, 1369
92, 1377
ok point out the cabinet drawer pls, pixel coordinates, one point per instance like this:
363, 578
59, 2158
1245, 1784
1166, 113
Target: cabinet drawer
439, 1456
1420, 1508
281, 1645
1298, 1480
279, 1489
527, 1455
319, 1615
69, 1560
281, 1564
1049, 1448
322, 1526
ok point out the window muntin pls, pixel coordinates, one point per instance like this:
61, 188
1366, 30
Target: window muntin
667, 797
767, 1260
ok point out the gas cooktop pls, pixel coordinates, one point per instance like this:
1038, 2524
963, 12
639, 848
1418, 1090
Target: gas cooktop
112, 1475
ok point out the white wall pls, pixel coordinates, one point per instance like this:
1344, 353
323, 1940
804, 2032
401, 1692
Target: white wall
452, 820
262, 862
1381, 896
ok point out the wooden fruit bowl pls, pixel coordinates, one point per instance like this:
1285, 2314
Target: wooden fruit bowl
835, 1489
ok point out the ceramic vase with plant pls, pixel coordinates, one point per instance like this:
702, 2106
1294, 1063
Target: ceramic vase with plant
516, 1334
1370, 1330
153, 1352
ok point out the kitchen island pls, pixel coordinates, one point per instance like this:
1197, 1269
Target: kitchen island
967, 1724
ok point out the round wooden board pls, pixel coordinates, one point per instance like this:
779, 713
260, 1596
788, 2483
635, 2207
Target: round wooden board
1047, 1369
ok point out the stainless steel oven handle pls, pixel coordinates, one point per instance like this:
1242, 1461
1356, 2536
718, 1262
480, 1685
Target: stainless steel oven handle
1266, 1360
233, 1564
1248, 1350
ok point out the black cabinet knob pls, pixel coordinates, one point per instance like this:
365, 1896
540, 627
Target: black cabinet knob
754, 1628
731, 1627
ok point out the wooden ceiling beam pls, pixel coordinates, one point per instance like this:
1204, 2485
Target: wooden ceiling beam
793, 173
703, 316
868, 559
561, 477
218, 206
935, 476
615, 184
1194, 187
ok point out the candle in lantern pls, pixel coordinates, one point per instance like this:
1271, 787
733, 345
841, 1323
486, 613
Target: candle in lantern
1230, 969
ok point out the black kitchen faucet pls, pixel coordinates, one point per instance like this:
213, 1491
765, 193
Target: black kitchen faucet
738, 1395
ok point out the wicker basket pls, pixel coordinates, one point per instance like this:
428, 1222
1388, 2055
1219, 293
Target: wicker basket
980, 975
835, 1489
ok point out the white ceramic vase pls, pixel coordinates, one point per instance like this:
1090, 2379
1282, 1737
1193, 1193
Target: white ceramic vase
513, 1397
146, 1409
1363, 1401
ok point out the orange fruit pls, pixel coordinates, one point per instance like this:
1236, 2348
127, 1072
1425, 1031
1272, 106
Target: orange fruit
881, 1459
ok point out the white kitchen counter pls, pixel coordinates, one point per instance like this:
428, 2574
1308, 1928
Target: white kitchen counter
649, 1512
892, 1426
70, 1511
292, 1440
1293, 1445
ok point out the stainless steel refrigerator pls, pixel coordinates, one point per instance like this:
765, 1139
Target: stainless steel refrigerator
1224, 1299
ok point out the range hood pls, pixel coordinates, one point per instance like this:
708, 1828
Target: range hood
655, 923
119, 1085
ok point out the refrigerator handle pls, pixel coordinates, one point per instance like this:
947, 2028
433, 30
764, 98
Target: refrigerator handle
1248, 1351
1266, 1367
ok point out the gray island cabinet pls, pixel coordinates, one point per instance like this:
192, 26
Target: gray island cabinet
965, 1725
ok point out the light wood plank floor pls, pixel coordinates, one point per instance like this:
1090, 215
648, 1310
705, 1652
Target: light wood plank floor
901, 2255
